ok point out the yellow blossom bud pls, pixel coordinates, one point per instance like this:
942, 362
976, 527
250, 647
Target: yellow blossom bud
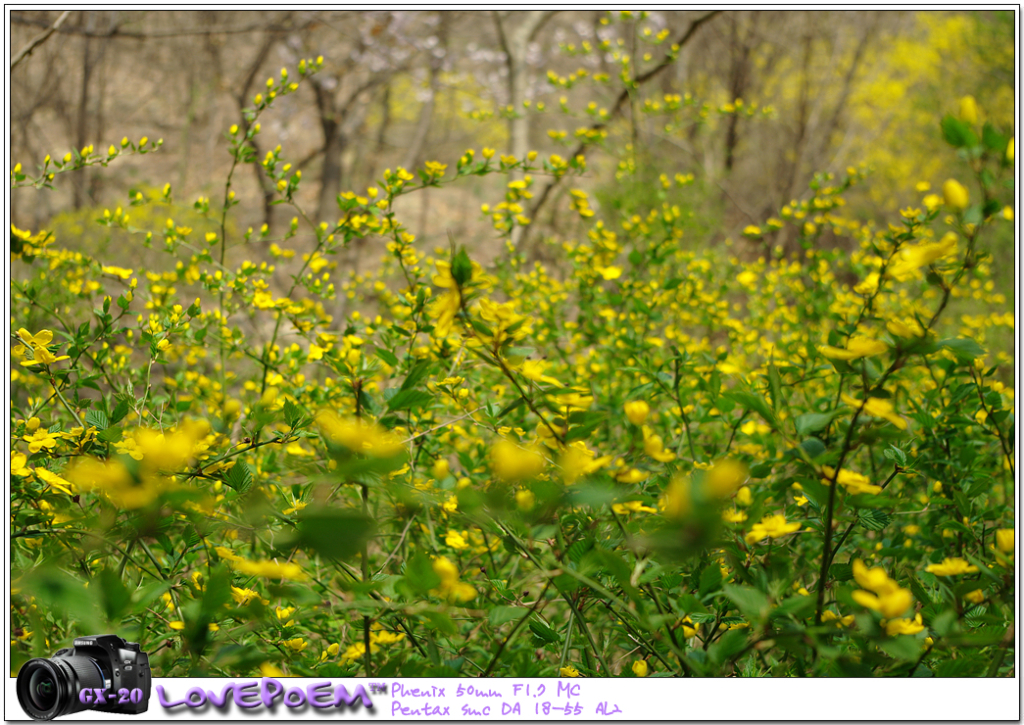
969, 110
955, 194
637, 411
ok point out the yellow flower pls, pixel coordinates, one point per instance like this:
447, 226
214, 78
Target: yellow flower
56, 482
269, 670
912, 258
632, 507
456, 540
640, 668
677, 501
908, 328
904, 626
40, 439
951, 566
510, 462
976, 597
744, 497
525, 499
771, 527
117, 271
830, 616
296, 645
577, 460
955, 194
868, 286
655, 448
270, 569
733, 516
856, 348
244, 596
434, 168
177, 625
879, 408
874, 579
855, 483
892, 604
359, 436
724, 478
445, 306
568, 671
534, 370
637, 411
1004, 540
888, 598
969, 110
18, 467
451, 588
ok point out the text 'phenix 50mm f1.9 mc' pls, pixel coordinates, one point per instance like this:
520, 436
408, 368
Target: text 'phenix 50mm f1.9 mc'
101, 672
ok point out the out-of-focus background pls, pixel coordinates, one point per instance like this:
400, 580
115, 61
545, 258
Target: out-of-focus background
863, 89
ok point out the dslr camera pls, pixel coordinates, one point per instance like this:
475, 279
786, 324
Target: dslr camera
101, 672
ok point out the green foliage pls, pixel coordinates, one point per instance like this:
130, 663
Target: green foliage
774, 466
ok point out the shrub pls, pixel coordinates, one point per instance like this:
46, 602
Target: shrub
651, 457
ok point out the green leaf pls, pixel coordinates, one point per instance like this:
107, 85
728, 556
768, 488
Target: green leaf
440, 622
965, 349
797, 606
409, 399
896, 455
543, 632
958, 133
813, 447
239, 477
731, 644
501, 614
808, 423
710, 579
874, 520
752, 401
815, 491
96, 418
387, 356
993, 140
517, 403
418, 372
753, 603
334, 533
115, 596
775, 383
462, 268
420, 575
903, 647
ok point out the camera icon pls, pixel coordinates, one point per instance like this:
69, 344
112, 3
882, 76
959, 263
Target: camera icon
101, 672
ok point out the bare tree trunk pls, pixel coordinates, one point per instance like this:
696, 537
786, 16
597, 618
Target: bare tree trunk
385, 118
82, 129
515, 44
426, 119
738, 77
330, 173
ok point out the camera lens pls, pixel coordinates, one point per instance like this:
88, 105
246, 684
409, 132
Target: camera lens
51, 688
42, 690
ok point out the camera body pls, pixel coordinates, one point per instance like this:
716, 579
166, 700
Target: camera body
100, 672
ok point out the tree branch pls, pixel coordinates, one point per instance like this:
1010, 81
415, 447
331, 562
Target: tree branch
39, 40
621, 101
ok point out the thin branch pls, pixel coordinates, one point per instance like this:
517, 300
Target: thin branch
39, 40
136, 35
621, 101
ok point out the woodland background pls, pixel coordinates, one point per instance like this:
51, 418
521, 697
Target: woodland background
398, 88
